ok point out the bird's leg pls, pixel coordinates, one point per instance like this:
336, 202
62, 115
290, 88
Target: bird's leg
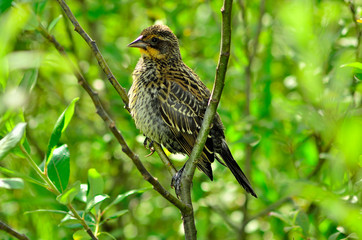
176, 181
149, 146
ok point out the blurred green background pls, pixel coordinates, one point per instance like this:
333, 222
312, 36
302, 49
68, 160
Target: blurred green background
304, 129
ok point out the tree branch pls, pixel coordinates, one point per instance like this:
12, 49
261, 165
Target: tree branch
250, 53
12, 232
186, 208
51, 187
110, 123
321, 160
107, 71
92, 44
225, 216
214, 100
170, 167
268, 209
353, 11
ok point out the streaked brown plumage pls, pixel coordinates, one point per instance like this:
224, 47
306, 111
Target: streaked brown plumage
168, 102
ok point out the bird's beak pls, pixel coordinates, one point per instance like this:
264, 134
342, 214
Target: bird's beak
138, 43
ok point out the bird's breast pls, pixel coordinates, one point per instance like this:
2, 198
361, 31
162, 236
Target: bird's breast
145, 106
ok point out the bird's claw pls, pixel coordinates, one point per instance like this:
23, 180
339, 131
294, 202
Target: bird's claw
176, 182
152, 151
149, 146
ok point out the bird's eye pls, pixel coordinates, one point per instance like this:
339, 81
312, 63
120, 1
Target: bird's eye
154, 40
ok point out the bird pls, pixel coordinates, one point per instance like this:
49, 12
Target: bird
167, 101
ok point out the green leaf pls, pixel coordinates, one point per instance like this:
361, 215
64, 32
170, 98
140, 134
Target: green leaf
4, 5
59, 128
11, 139
71, 222
302, 221
120, 197
21, 175
105, 236
252, 139
95, 184
81, 235
95, 201
352, 236
29, 79
46, 210
357, 65
334, 236
54, 22
39, 6
82, 195
281, 217
68, 195
11, 183
116, 214
59, 168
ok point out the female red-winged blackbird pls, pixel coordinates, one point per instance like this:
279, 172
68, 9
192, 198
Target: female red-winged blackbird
168, 102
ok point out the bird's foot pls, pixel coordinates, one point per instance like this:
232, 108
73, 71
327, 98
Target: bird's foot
176, 182
148, 144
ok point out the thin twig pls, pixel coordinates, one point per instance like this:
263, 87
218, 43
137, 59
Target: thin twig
92, 44
51, 187
72, 46
250, 53
268, 209
12, 231
170, 167
111, 125
104, 66
190, 166
321, 159
263, 212
353, 11
82, 221
225, 216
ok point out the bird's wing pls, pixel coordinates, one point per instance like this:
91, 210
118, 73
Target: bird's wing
180, 108
183, 101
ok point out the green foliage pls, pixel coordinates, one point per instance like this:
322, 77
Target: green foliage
10, 141
69, 194
304, 126
59, 167
11, 183
59, 128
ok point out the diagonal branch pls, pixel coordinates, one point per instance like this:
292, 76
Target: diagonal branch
269, 208
12, 231
111, 124
93, 45
107, 71
224, 216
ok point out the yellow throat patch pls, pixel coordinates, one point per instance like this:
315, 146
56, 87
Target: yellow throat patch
152, 53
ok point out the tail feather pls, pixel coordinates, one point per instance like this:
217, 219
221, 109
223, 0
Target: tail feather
235, 169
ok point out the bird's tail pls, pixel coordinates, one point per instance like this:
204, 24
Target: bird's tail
235, 169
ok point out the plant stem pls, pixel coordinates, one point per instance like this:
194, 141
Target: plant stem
82, 221
12, 232
82, 81
248, 81
190, 166
51, 187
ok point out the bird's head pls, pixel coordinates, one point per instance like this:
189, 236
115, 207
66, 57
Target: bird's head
157, 42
